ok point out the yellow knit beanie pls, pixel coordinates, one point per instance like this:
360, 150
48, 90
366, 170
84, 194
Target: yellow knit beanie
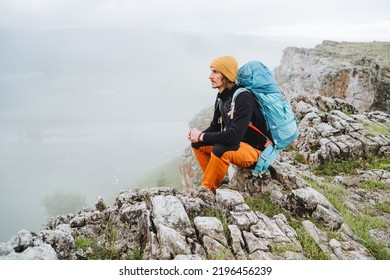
227, 65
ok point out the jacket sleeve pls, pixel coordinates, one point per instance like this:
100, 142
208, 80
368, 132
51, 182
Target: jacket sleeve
235, 133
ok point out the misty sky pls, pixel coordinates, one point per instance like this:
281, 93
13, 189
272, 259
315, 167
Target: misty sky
96, 80
352, 20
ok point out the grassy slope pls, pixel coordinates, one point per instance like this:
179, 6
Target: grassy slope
348, 51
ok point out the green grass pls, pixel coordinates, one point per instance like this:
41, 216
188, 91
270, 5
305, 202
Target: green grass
348, 51
372, 184
378, 129
350, 166
81, 242
104, 253
360, 224
224, 254
98, 253
135, 254
347, 167
108, 251
299, 158
284, 248
336, 194
263, 204
311, 249
384, 207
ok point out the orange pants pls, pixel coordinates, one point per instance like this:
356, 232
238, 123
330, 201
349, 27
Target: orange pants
214, 168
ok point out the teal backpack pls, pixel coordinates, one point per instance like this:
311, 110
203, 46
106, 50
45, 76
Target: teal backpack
281, 121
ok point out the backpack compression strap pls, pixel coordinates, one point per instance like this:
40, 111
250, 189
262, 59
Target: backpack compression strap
258, 130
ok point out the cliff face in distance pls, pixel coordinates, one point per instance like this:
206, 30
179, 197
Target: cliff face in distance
356, 72
328, 199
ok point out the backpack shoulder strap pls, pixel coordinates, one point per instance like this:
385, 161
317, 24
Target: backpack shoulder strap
237, 92
231, 113
233, 104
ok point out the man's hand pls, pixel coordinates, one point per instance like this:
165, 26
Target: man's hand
195, 135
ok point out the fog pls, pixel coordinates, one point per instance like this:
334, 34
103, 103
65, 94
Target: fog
89, 111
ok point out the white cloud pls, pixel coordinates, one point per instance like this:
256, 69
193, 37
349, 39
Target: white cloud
377, 30
332, 19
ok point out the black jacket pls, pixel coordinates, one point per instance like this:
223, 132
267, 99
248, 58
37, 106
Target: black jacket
230, 132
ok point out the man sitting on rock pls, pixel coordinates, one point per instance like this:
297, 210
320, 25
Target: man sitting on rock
228, 140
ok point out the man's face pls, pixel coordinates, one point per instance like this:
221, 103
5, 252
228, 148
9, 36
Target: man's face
216, 79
